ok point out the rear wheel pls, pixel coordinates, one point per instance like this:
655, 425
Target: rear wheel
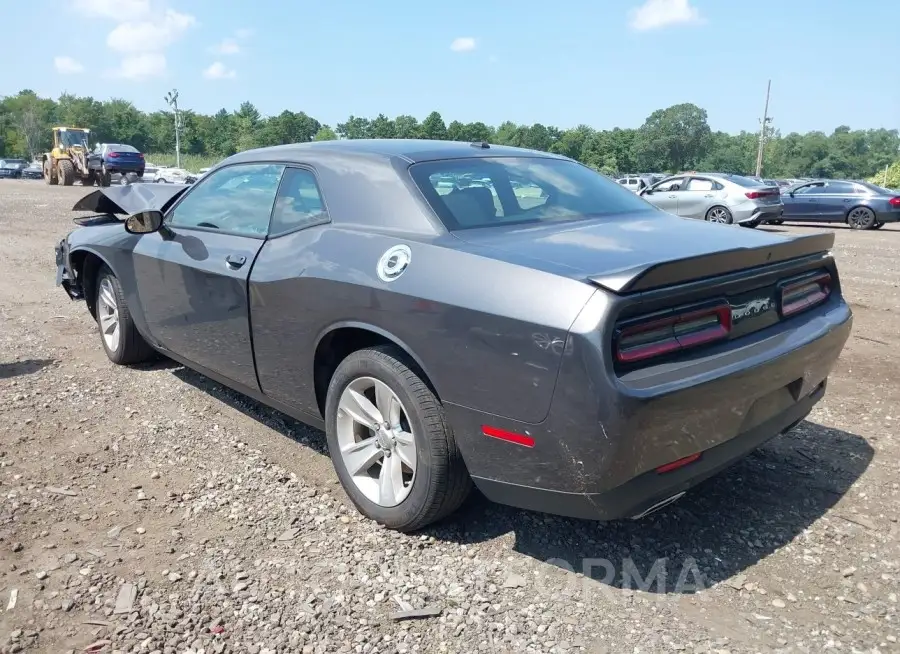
861, 218
391, 445
121, 339
719, 214
752, 224
66, 172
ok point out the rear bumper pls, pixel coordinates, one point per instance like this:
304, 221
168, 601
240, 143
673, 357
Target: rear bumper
763, 214
64, 275
596, 453
650, 489
125, 167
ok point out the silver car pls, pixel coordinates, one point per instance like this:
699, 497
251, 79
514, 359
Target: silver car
718, 198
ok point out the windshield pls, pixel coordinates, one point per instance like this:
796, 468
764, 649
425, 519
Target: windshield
13, 163
71, 138
491, 191
746, 182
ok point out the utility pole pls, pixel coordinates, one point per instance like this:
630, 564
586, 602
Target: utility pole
171, 99
764, 124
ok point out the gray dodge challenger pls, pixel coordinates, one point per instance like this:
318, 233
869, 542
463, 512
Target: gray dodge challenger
459, 314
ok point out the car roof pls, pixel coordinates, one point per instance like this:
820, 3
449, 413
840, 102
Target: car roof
411, 150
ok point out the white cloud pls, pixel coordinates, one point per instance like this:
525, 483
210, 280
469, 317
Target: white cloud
141, 66
67, 66
463, 44
227, 47
120, 10
218, 70
655, 14
149, 35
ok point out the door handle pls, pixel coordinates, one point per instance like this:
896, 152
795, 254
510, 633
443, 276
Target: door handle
673, 196
235, 260
707, 196
847, 200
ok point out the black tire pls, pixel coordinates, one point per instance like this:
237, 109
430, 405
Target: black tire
89, 179
774, 222
49, 173
160, 180
442, 483
66, 172
861, 218
719, 210
105, 178
752, 224
132, 347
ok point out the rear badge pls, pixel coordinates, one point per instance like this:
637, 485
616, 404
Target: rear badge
394, 263
751, 309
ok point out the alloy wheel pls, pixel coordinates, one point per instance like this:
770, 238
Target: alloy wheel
108, 315
718, 215
376, 441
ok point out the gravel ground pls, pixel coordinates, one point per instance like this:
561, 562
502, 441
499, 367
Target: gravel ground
151, 510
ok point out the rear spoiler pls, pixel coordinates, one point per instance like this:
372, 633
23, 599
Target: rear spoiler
650, 276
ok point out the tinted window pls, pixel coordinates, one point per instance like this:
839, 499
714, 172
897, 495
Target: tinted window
502, 190
839, 188
299, 203
874, 188
700, 185
811, 188
235, 199
746, 182
121, 148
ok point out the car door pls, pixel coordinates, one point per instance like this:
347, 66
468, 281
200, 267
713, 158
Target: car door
192, 276
835, 200
802, 203
698, 196
665, 194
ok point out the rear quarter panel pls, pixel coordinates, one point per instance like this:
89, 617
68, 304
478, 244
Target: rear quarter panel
489, 335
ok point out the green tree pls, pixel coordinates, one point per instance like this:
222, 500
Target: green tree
676, 138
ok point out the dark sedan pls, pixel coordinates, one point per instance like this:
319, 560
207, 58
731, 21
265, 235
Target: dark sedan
12, 168
108, 159
33, 171
861, 205
546, 333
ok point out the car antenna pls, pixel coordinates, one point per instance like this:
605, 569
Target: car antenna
484, 145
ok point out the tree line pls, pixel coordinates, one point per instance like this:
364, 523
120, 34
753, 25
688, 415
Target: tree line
672, 139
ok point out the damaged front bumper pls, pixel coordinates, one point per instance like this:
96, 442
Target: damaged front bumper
65, 275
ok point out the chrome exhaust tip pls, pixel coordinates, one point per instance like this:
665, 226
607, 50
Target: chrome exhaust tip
659, 505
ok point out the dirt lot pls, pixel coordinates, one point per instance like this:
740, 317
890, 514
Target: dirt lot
150, 510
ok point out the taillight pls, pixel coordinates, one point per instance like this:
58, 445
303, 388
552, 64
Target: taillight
802, 294
755, 195
685, 328
894, 202
113, 155
140, 155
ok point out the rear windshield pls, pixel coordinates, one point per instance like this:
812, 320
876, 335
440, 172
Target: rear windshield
122, 148
744, 181
490, 191
876, 189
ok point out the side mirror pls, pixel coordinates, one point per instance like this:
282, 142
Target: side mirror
145, 222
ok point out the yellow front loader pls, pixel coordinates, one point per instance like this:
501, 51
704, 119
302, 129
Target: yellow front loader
68, 160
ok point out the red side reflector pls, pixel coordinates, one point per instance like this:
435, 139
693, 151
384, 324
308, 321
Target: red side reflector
680, 463
503, 435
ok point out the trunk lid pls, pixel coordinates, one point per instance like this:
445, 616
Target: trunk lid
642, 251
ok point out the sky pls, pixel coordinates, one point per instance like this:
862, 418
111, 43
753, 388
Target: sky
604, 63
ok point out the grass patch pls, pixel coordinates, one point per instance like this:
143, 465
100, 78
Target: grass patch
190, 162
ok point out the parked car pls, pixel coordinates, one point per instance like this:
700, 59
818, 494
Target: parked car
108, 159
588, 355
167, 175
34, 170
862, 205
717, 198
12, 168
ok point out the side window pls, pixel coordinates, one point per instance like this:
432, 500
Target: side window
838, 188
236, 199
697, 184
808, 190
669, 185
299, 203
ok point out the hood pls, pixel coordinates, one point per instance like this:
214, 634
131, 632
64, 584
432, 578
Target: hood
617, 252
130, 199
